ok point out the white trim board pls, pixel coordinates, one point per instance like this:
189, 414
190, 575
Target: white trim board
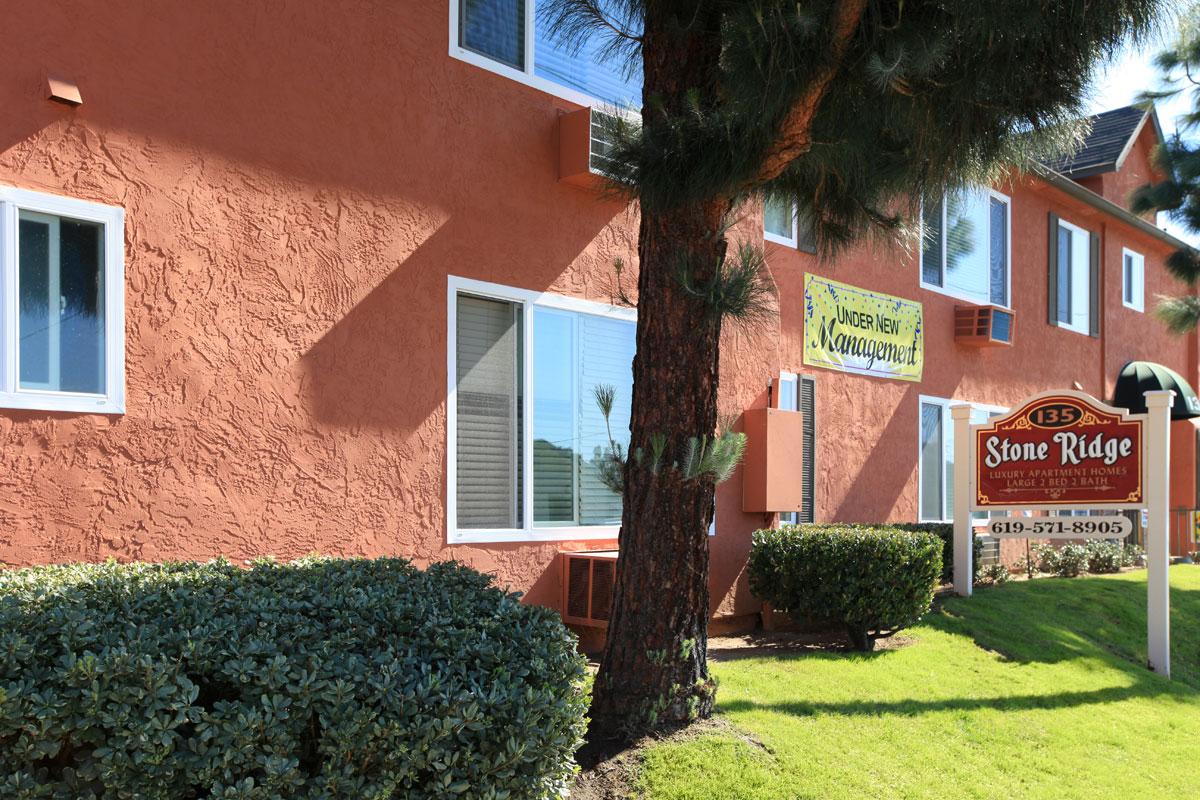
933, 287
528, 299
526, 76
12, 202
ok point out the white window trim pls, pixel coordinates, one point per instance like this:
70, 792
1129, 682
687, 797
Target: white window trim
992, 193
526, 76
793, 378
945, 404
1086, 328
1139, 280
13, 201
528, 300
794, 241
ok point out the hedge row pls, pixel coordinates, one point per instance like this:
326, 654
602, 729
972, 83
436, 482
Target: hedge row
873, 580
314, 679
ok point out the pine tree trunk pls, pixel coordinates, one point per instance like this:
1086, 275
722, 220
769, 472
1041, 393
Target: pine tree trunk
654, 671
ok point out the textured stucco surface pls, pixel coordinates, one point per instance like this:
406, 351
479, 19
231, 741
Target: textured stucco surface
296, 193
298, 186
869, 427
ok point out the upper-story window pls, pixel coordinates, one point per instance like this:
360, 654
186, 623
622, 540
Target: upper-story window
784, 224
1133, 280
965, 246
62, 273
511, 38
1073, 279
527, 441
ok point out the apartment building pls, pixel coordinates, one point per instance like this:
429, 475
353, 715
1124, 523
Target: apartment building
273, 285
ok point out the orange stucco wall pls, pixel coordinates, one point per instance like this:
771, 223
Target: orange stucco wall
296, 194
867, 445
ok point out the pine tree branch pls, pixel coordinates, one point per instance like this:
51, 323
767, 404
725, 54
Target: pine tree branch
795, 135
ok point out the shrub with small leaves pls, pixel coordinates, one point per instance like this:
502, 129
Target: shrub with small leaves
314, 679
945, 532
1045, 556
1132, 556
873, 580
1104, 557
995, 575
1066, 561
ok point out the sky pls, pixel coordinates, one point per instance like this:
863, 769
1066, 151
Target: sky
1120, 81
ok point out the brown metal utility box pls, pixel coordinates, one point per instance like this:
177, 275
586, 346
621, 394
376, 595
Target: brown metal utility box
772, 470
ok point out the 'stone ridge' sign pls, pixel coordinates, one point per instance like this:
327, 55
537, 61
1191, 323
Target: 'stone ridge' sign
1059, 451
855, 330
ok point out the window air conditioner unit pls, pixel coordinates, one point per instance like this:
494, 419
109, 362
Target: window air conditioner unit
983, 326
588, 579
585, 144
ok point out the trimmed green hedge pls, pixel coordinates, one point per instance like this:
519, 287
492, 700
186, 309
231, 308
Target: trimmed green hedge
314, 679
874, 580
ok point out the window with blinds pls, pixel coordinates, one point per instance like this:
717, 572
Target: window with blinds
1074, 284
573, 355
498, 31
798, 393
488, 424
808, 407
964, 250
570, 355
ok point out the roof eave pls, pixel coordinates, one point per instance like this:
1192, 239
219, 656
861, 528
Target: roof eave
1082, 193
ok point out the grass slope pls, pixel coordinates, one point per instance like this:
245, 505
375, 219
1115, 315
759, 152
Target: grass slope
1032, 690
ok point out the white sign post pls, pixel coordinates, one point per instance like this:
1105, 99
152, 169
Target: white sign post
1058, 413
964, 487
1158, 550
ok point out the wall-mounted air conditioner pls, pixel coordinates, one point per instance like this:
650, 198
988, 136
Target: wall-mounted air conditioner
585, 145
587, 580
983, 326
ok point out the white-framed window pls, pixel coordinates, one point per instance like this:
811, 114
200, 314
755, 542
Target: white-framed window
935, 456
966, 242
62, 285
798, 393
1133, 279
526, 440
779, 221
1073, 278
784, 224
510, 38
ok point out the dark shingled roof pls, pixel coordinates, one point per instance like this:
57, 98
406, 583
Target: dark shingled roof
1111, 132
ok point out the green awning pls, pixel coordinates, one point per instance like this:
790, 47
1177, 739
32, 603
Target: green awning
1139, 377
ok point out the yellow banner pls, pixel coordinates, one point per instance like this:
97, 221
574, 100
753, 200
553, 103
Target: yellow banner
854, 330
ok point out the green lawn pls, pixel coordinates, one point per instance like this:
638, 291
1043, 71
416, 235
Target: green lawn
1031, 690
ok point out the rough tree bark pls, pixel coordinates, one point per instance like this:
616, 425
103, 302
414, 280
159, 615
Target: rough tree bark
660, 603
654, 671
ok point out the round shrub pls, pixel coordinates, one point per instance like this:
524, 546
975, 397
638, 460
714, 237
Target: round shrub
313, 679
995, 575
874, 580
1104, 557
1066, 561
